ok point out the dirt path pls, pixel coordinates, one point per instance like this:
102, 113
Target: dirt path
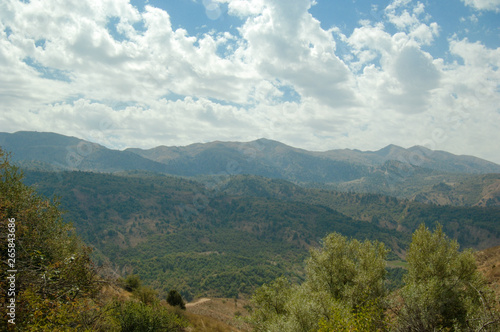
199, 301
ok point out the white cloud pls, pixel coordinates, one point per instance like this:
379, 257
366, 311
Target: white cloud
284, 41
493, 5
385, 89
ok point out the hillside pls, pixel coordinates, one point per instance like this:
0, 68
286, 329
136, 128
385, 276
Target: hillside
225, 237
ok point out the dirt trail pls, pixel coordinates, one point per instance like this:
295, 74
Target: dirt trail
199, 301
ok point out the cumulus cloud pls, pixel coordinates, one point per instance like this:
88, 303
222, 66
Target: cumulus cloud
121, 77
493, 5
404, 76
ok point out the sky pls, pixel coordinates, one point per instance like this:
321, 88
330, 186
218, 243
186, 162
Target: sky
318, 75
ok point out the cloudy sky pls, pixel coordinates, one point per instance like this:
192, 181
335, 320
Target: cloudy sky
319, 75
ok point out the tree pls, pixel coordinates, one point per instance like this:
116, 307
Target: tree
344, 278
57, 286
55, 276
175, 299
132, 282
348, 270
443, 288
270, 303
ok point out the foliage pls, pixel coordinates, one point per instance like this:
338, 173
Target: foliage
146, 295
348, 270
132, 282
443, 288
55, 276
135, 316
345, 290
345, 278
270, 301
366, 318
58, 287
179, 234
175, 299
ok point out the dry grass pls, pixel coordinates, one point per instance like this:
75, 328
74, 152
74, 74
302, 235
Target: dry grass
218, 315
488, 262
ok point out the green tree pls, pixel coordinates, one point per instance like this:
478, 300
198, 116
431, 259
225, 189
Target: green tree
270, 302
55, 276
345, 278
443, 288
132, 282
348, 270
175, 299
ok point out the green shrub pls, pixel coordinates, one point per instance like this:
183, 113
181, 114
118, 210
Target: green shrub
175, 299
135, 316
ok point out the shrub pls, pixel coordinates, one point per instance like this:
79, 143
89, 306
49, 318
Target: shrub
175, 299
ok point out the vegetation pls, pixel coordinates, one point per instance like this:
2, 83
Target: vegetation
181, 234
345, 278
227, 240
443, 288
344, 290
175, 299
152, 226
57, 286
55, 277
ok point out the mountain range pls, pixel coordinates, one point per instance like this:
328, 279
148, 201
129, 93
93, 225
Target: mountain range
259, 157
415, 173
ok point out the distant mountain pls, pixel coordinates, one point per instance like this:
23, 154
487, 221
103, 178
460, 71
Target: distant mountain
51, 151
393, 170
418, 156
278, 155
261, 157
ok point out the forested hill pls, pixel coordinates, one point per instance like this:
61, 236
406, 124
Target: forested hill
226, 235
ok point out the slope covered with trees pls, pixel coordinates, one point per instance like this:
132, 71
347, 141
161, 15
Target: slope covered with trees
224, 236
48, 279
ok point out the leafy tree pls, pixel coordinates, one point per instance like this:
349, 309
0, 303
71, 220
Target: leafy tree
58, 287
348, 270
345, 278
443, 288
132, 282
55, 276
175, 299
364, 319
270, 301
146, 295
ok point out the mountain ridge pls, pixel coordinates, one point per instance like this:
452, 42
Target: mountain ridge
389, 152
416, 172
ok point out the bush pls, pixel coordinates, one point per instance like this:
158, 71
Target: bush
443, 288
175, 299
132, 282
345, 279
135, 316
55, 276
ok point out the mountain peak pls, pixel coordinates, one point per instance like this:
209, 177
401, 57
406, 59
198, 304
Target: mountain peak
389, 150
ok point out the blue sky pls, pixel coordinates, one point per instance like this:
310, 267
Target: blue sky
318, 75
